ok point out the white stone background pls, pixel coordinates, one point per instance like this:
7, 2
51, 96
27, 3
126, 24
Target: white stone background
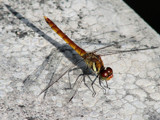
134, 92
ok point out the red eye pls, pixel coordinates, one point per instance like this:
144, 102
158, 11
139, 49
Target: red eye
109, 70
107, 73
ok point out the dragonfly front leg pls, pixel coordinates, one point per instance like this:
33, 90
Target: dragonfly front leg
100, 83
103, 86
107, 85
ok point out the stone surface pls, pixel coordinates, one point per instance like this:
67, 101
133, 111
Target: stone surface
30, 50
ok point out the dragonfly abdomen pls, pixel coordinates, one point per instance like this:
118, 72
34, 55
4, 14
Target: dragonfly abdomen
79, 50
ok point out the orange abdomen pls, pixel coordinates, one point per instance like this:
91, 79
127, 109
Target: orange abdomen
79, 50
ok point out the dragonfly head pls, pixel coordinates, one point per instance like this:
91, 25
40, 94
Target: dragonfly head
106, 73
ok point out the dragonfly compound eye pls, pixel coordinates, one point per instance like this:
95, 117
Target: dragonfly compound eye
107, 73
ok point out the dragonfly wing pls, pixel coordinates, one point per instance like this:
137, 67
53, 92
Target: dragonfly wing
116, 44
36, 73
54, 81
123, 46
112, 52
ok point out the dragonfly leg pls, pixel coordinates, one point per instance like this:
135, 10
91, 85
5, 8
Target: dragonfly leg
92, 81
84, 80
45, 92
70, 86
77, 80
71, 69
52, 82
75, 83
107, 85
100, 83
94, 92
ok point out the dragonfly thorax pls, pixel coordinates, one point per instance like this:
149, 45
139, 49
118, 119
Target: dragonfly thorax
94, 62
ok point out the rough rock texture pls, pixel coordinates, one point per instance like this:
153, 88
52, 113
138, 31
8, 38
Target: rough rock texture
31, 51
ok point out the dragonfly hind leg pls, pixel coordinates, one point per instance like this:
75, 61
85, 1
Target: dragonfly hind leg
78, 85
70, 85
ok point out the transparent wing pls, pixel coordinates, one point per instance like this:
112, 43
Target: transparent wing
37, 72
111, 52
56, 80
123, 46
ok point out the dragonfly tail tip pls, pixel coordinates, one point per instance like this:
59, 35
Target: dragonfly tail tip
45, 17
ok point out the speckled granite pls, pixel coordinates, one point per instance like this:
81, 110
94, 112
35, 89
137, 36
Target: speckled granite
31, 51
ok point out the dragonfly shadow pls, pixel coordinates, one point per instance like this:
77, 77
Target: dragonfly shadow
62, 48
33, 27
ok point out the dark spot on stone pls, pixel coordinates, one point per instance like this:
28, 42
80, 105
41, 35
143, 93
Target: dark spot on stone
30, 118
99, 42
21, 106
122, 36
82, 116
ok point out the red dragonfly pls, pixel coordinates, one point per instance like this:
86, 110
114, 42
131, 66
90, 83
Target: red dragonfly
93, 60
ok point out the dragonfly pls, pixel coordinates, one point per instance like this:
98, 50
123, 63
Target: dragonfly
92, 60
